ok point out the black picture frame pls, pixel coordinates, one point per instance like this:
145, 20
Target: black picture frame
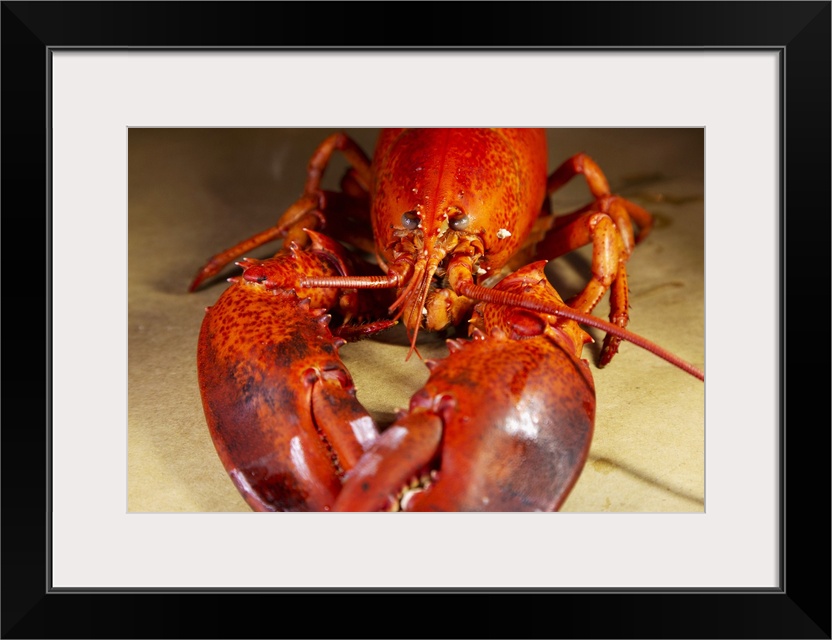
799, 31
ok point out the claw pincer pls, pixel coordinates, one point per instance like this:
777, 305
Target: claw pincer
280, 404
520, 446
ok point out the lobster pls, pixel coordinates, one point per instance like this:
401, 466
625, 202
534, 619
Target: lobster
442, 228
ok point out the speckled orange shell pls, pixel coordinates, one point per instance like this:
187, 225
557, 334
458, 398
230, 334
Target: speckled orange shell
525, 447
262, 357
496, 176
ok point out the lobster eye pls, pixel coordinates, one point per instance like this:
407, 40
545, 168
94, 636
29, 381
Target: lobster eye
410, 219
458, 221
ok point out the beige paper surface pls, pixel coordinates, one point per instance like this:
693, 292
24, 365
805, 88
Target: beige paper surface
194, 192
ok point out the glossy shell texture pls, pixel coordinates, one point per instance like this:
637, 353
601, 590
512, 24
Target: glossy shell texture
496, 177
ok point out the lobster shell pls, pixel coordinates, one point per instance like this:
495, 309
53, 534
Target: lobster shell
279, 403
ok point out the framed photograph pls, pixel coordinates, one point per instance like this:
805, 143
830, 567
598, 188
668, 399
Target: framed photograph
155, 135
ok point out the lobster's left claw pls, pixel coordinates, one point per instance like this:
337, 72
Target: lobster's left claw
522, 449
385, 474
503, 424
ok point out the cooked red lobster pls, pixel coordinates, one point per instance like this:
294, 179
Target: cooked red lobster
445, 228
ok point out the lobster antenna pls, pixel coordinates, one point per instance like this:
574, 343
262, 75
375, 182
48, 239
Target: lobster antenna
496, 296
389, 281
478, 292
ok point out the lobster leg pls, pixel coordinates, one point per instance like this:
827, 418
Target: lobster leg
608, 225
522, 450
609, 259
582, 164
347, 213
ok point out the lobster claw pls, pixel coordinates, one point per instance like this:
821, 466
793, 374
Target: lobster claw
395, 468
280, 405
522, 450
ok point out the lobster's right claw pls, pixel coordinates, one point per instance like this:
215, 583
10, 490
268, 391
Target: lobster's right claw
280, 405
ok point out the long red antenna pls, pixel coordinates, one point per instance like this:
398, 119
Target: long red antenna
478, 292
496, 296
